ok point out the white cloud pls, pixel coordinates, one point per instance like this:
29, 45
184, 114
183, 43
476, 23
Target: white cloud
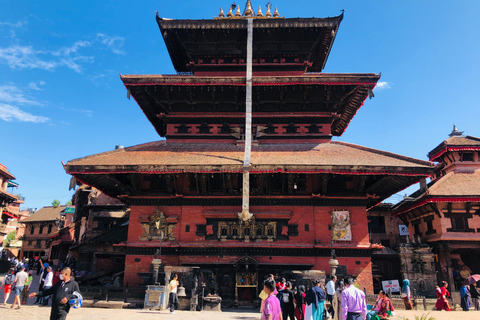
65, 51
382, 85
10, 97
17, 24
12, 94
115, 43
88, 113
35, 86
11, 113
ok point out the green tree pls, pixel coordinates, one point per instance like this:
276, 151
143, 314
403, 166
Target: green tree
69, 203
55, 203
10, 237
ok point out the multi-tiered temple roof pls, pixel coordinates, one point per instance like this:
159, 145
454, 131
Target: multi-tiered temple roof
296, 111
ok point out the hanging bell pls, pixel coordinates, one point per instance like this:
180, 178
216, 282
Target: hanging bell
181, 292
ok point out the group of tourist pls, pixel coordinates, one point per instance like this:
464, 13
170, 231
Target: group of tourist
346, 301
19, 281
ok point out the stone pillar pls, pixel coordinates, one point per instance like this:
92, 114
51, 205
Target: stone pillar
333, 267
156, 265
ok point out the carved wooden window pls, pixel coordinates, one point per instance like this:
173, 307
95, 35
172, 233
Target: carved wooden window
270, 129
201, 230
187, 228
467, 156
313, 128
32, 229
307, 227
41, 230
270, 231
204, 128
293, 230
291, 129
225, 129
259, 231
183, 129
429, 221
251, 230
50, 228
376, 224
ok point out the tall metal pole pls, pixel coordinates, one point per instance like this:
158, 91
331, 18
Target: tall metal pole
245, 214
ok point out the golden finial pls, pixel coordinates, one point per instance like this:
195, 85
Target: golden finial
259, 12
268, 14
249, 11
221, 14
230, 12
275, 14
238, 13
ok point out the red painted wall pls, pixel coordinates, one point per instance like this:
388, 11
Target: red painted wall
318, 219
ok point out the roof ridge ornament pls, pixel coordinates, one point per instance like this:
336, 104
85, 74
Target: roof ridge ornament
230, 12
456, 132
268, 14
275, 14
259, 12
238, 13
249, 10
221, 14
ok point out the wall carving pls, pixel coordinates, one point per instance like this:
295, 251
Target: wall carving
158, 227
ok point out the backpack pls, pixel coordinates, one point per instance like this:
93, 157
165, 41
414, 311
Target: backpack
9, 279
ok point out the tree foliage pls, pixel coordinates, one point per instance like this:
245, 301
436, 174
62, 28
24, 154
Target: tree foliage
10, 237
55, 203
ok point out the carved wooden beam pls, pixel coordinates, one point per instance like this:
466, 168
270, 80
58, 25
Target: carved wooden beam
434, 207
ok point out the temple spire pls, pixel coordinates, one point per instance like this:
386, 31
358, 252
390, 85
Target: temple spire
249, 11
259, 12
221, 14
230, 13
455, 132
268, 14
275, 14
238, 13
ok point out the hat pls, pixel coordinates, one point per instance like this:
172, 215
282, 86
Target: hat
46, 265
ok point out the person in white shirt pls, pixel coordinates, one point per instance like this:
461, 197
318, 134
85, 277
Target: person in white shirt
330, 293
173, 299
48, 283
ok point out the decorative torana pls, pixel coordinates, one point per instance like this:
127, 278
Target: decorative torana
157, 227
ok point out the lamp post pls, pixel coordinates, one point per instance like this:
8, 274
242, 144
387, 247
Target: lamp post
333, 262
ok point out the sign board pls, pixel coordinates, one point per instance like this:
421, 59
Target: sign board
403, 229
391, 284
69, 210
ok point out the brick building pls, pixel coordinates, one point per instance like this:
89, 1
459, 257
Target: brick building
445, 213
308, 195
40, 227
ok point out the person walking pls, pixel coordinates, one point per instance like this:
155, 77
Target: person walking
63, 291
330, 293
26, 288
354, 306
7, 283
315, 299
263, 295
271, 310
465, 297
48, 283
300, 301
406, 295
442, 298
173, 299
20, 280
337, 301
287, 297
475, 295
41, 280
282, 285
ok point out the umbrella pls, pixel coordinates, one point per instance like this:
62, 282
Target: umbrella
472, 279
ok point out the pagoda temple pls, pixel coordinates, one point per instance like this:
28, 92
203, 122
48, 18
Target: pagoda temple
445, 213
308, 195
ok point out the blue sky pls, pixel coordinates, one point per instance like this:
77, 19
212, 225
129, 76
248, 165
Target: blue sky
61, 97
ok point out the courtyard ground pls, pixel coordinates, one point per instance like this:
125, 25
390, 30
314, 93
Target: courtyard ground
34, 312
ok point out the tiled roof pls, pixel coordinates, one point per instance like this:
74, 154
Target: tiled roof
9, 197
161, 156
456, 184
454, 143
4, 172
45, 214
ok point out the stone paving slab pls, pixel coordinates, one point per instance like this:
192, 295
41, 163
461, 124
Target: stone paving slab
35, 312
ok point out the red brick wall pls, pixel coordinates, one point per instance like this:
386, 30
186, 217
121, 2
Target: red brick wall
318, 219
